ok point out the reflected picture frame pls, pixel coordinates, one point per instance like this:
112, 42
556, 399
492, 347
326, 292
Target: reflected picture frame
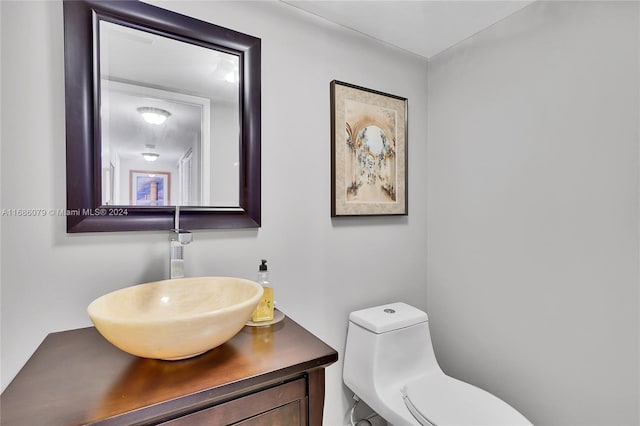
149, 188
368, 152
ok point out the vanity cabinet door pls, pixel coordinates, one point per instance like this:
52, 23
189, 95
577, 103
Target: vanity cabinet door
284, 405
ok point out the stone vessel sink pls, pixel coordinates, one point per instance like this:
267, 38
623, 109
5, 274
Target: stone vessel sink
175, 319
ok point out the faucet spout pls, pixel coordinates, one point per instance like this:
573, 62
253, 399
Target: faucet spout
178, 238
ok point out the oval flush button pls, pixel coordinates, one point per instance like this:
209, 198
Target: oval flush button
390, 311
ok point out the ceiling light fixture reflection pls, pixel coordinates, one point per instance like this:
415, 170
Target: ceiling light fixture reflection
150, 156
154, 115
233, 73
231, 77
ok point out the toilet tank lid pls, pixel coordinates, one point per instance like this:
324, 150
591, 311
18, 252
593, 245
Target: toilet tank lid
384, 318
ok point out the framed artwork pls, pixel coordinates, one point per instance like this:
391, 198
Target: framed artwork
149, 188
368, 152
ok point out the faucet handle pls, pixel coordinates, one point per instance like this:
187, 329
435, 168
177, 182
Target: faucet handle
184, 237
181, 236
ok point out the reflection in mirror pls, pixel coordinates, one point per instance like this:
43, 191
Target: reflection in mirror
170, 125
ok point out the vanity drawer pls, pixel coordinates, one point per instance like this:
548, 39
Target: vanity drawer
285, 405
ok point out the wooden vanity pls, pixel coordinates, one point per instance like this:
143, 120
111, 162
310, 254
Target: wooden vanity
267, 376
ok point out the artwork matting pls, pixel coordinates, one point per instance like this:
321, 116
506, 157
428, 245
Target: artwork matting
368, 152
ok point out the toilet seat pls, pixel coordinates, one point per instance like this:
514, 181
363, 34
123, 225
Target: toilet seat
440, 400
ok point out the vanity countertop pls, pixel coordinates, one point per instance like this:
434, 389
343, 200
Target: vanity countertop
76, 378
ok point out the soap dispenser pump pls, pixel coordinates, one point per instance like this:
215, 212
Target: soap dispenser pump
264, 311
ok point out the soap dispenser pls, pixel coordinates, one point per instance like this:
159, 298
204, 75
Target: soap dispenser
264, 311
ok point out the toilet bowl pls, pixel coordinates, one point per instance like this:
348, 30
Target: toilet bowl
390, 364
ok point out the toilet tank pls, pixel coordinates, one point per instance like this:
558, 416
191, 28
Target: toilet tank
386, 345
385, 318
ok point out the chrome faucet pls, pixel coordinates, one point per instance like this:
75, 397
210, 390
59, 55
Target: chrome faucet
178, 238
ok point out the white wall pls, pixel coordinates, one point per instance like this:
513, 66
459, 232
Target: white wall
322, 268
533, 211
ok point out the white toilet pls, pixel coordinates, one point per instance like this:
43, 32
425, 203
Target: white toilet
390, 364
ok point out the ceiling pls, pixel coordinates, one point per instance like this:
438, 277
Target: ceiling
425, 28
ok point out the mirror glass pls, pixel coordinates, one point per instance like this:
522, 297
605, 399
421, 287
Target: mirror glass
169, 121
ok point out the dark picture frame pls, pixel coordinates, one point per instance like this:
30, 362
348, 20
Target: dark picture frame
368, 152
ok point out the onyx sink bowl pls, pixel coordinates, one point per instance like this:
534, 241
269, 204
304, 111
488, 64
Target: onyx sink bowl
175, 319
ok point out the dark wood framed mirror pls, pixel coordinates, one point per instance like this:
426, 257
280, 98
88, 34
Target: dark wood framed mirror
99, 83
